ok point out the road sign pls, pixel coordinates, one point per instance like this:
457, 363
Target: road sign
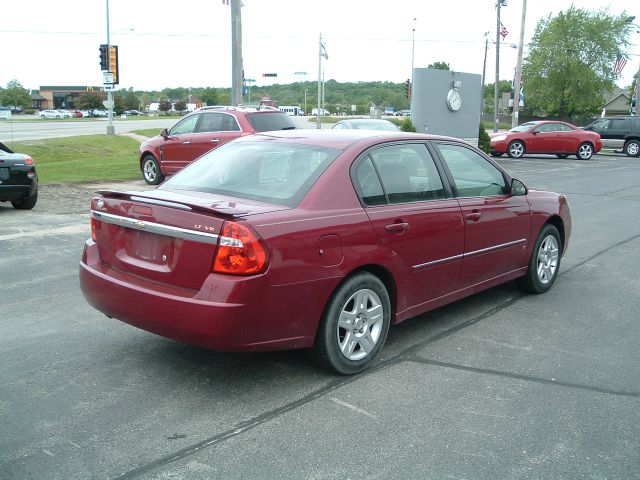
108, 103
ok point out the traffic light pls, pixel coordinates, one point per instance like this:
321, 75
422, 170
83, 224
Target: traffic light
104, 58
113, 63
407, 88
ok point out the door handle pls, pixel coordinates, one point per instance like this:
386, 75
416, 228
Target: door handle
400, 227
186, 142
215, 140
474, 216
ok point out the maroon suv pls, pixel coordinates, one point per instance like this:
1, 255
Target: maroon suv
201, 131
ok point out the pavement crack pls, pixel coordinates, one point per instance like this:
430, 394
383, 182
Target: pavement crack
526, 378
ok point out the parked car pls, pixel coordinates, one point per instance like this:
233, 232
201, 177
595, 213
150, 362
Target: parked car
65, 113
18, 179
552, 137
317, 239
99, 113
201, 131
619, 132
132, 113
367, 124
50, 114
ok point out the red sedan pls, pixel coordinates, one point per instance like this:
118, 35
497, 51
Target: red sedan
559, 138
317, 239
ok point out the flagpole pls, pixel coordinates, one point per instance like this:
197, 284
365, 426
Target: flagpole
318, 125
497, 89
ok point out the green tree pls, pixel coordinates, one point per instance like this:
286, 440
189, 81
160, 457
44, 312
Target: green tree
208, 95
439, 66
164, 106
484, 141
569, 69
407, 125
90, 100
130, 100
15, 94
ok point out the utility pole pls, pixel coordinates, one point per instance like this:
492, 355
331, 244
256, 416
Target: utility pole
518, 80
236, 54
484, 71
497, 89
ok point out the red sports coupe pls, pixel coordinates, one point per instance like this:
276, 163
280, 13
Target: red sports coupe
553, 137
317, 239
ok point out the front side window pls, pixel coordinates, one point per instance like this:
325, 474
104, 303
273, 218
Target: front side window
473, 175
184, 126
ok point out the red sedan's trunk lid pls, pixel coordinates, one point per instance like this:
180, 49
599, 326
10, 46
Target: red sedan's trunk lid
167, 241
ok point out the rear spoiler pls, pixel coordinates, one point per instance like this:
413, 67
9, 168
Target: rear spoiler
222, 208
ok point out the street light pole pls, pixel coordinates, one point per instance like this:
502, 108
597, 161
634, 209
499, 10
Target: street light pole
518, 80
110, 128
413, 45
496, 89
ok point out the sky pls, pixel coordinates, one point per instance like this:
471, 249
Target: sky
187, 43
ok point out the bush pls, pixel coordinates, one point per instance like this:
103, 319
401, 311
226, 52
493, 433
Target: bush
484, 142
407, 125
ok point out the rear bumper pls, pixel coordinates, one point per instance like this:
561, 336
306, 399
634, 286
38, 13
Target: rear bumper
17, 192
226, 313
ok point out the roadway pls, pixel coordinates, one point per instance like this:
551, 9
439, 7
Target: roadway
500, 385
19, 129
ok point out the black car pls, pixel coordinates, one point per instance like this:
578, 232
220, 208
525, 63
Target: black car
621, 132
18, 179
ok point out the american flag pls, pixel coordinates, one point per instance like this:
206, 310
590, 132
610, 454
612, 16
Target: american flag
621, 61
503, 31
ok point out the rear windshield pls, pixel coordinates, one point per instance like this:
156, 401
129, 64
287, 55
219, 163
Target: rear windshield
270, 172
267, 122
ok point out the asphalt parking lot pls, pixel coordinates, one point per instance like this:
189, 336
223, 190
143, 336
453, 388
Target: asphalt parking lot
498, 386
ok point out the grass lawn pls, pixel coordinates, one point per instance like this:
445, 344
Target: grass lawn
80, 159
148, 132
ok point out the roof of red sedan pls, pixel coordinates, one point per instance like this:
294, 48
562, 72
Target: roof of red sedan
340, 139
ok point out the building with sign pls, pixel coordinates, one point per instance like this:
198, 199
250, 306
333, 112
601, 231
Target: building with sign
49, 97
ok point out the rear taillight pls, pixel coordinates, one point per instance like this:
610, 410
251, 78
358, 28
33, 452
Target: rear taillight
240, 251
94, 229
28, 160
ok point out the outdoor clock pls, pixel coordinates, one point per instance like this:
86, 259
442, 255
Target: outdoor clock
454, 99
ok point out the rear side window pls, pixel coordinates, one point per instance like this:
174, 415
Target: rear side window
267, 122
268, 172
398, 174
218, 122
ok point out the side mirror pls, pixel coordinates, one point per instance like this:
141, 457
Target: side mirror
164, 133
518, 188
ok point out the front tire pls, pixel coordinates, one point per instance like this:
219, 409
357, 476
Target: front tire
632, 148
354, 325
544, 263
151, 170
585, 151
516, 149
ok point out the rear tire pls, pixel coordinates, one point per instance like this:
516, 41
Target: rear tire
151, 170
585, 151
632, 148
27, 203
354, 325
544, 263
516, 149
